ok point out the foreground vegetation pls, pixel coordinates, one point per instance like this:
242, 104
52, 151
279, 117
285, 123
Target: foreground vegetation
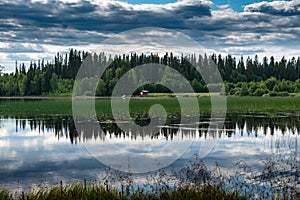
79, 191
193, 181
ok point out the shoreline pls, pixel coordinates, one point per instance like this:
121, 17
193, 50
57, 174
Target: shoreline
154, 95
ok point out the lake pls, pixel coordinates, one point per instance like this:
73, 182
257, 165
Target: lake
40, 145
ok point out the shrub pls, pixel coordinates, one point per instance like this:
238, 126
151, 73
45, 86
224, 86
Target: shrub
279, 94
259, 92
283, 94
270, 83
272, 94
244, 90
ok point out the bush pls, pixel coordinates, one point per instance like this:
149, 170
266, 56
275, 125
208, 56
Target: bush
244, 90
276, 88
283, 94
214, 87
235, 91
266, 95
259, 92
270, 83
278, 94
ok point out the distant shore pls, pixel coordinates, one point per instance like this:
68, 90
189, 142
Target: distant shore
158, 95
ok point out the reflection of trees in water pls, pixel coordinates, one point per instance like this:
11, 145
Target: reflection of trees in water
284, 123
64, 126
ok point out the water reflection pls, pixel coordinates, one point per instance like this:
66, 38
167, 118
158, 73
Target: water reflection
48, 148
244, 124
62, 126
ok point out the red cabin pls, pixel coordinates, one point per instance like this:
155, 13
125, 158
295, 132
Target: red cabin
144, 92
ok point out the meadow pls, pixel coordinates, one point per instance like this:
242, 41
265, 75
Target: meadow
63, 105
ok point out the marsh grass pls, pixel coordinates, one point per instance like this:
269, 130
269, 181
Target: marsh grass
79, 191
263, 104
141, 105
74, 191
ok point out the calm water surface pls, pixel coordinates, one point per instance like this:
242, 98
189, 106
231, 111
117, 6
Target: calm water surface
45, 149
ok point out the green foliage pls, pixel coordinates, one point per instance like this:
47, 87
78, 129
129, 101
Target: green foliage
64, 86
270, 83
5, 195
259, 78
261, 88
259, 92
214, 87
279, 94
100, 90
244, 90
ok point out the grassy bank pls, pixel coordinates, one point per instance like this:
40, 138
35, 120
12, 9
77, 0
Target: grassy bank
63, 106
263, 104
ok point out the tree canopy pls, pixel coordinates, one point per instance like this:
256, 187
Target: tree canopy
242, 76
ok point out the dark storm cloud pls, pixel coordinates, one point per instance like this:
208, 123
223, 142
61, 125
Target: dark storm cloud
36, 21
283, 8
111, 16
80, 23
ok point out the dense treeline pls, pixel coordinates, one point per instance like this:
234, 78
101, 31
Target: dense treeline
43, 78
242, 77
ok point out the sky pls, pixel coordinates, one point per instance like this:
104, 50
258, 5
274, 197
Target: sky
37, 29
236, 5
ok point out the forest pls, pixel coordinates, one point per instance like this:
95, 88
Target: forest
243, 77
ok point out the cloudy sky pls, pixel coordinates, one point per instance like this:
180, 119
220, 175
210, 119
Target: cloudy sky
36, 29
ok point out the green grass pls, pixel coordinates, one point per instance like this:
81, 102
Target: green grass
33, 106
263, 104
140, 106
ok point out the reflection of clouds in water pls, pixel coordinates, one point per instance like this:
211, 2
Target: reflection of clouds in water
28, 155
29, 148
138, 145
4, 132
4, 143
103, 149
253, 149
32, 157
